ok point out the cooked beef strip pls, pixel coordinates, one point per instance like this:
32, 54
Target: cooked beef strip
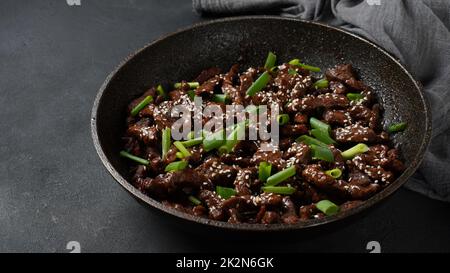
208, 86
207, 74
270, 217
289, 216
344, 74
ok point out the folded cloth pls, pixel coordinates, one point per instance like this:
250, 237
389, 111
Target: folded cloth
415, 31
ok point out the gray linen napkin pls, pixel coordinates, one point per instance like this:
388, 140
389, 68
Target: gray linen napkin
416, 31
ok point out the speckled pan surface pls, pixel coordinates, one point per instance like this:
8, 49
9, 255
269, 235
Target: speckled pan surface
183, 54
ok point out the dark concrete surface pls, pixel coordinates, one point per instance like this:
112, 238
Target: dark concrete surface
53, 187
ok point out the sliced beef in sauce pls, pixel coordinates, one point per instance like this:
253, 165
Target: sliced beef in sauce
292, 89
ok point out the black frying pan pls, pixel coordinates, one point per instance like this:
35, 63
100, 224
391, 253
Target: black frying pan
183, 54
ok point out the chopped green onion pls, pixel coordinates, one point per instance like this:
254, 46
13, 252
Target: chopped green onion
335, 173
292, 71
282, 119
134, 158
264, 171
322, 83
176, 166
221, 98
232, 139
225, 192
181, 148
279, 190
179, 155
294, 62
259, 84
310, 67
192, 135
398, 127
166, 137
141, 105
194, 200
355, 150
274, 69
317, 124
192, 85
322, 153
191, 94
270, 61
310, 141
281, 176
321, 131
254, 110
297, 62
322, 136
355, 96
160, 91
192, 142
214, 140
327, 207
217, 139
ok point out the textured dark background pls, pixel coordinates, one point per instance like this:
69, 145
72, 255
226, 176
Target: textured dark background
53, 187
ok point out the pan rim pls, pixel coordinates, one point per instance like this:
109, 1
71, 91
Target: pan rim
260, 227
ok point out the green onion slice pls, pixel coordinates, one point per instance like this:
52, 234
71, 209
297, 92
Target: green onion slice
355, 96
335, 173
320, 84
191, 94
281, 176
194, 200
327, 207
270, 61
192, 135
225, 192
141, 105
232, 139
160, 91
214, 140
322, 153
282, 119
398, 127
297, 62
181, 148
220, 98
310, 141
285, 190
355, 150
294, 62
264, 171
192, 142
317, 124
259, 84
310, 67
192, 85
292, 71
322, 136
176, 166
166, 137
134, 158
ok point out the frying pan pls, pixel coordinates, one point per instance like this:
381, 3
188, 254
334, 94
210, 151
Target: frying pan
183, 54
